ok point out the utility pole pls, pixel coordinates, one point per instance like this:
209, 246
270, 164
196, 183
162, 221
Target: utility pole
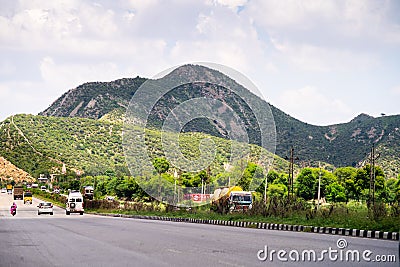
319, 183
291, 172
372, 176
265, 188
207, 186
175, 176
290, 180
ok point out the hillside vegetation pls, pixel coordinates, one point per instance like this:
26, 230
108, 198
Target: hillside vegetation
347, 144
41, 145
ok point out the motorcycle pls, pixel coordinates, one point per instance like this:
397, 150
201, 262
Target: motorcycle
13, 211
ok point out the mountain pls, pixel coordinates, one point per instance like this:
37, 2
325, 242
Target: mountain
346, 144
95, 99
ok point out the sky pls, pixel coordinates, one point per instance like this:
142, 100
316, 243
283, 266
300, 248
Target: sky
323, 62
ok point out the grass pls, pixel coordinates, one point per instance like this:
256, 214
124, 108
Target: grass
352, 218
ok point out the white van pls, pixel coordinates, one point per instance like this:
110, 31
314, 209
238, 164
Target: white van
74, 203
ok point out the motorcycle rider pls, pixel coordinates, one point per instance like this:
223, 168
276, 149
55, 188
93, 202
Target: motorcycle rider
13, 208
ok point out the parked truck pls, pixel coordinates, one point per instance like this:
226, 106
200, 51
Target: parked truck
18, 192
230, 199
88, 192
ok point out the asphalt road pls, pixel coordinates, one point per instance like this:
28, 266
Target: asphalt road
59, 240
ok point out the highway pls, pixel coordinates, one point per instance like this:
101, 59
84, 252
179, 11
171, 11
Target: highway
59, 240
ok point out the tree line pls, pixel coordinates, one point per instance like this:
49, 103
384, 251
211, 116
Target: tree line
341, 185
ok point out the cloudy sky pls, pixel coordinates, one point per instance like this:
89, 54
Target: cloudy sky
322, 62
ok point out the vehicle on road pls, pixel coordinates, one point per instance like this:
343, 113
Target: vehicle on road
110, 198
45, 207
18, 192
43, 188
4, 190
28, 197
74, 203
9, 189
88, 192
230, 199
13, 209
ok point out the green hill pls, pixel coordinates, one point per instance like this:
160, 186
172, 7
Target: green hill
346, 144
40, 144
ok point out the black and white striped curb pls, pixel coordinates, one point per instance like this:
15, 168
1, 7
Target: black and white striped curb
270, 226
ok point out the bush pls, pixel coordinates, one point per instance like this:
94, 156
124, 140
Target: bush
101, 204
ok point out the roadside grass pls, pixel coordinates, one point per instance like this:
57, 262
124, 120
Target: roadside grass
351, 218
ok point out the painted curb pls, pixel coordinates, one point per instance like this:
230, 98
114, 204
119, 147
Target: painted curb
269, 226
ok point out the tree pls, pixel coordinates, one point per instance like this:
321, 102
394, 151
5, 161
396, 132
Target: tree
128, 188
351, 190
273, 177
113, 184
345, 173
188, 181
276, 190
282, 179
335, 193
390, 186
308, 179
362, 181
161, 165
251, 174
305, 184
74, 185
327, 178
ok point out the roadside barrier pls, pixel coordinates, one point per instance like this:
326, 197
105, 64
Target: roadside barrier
269, 226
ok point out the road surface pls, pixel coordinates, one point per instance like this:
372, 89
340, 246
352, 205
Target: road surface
59, 240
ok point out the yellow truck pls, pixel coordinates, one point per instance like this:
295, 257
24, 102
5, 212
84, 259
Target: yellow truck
9, 189
28, 197
230, 199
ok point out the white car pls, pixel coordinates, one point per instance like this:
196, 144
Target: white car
110, 198
4, 190
45, 207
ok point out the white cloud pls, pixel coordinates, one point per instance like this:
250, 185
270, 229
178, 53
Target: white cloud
72, 75
22, 97
309, 105
232, 4
315, 58
395, 90
4, 92
61, 44
326, 35
7, 68
338, 18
